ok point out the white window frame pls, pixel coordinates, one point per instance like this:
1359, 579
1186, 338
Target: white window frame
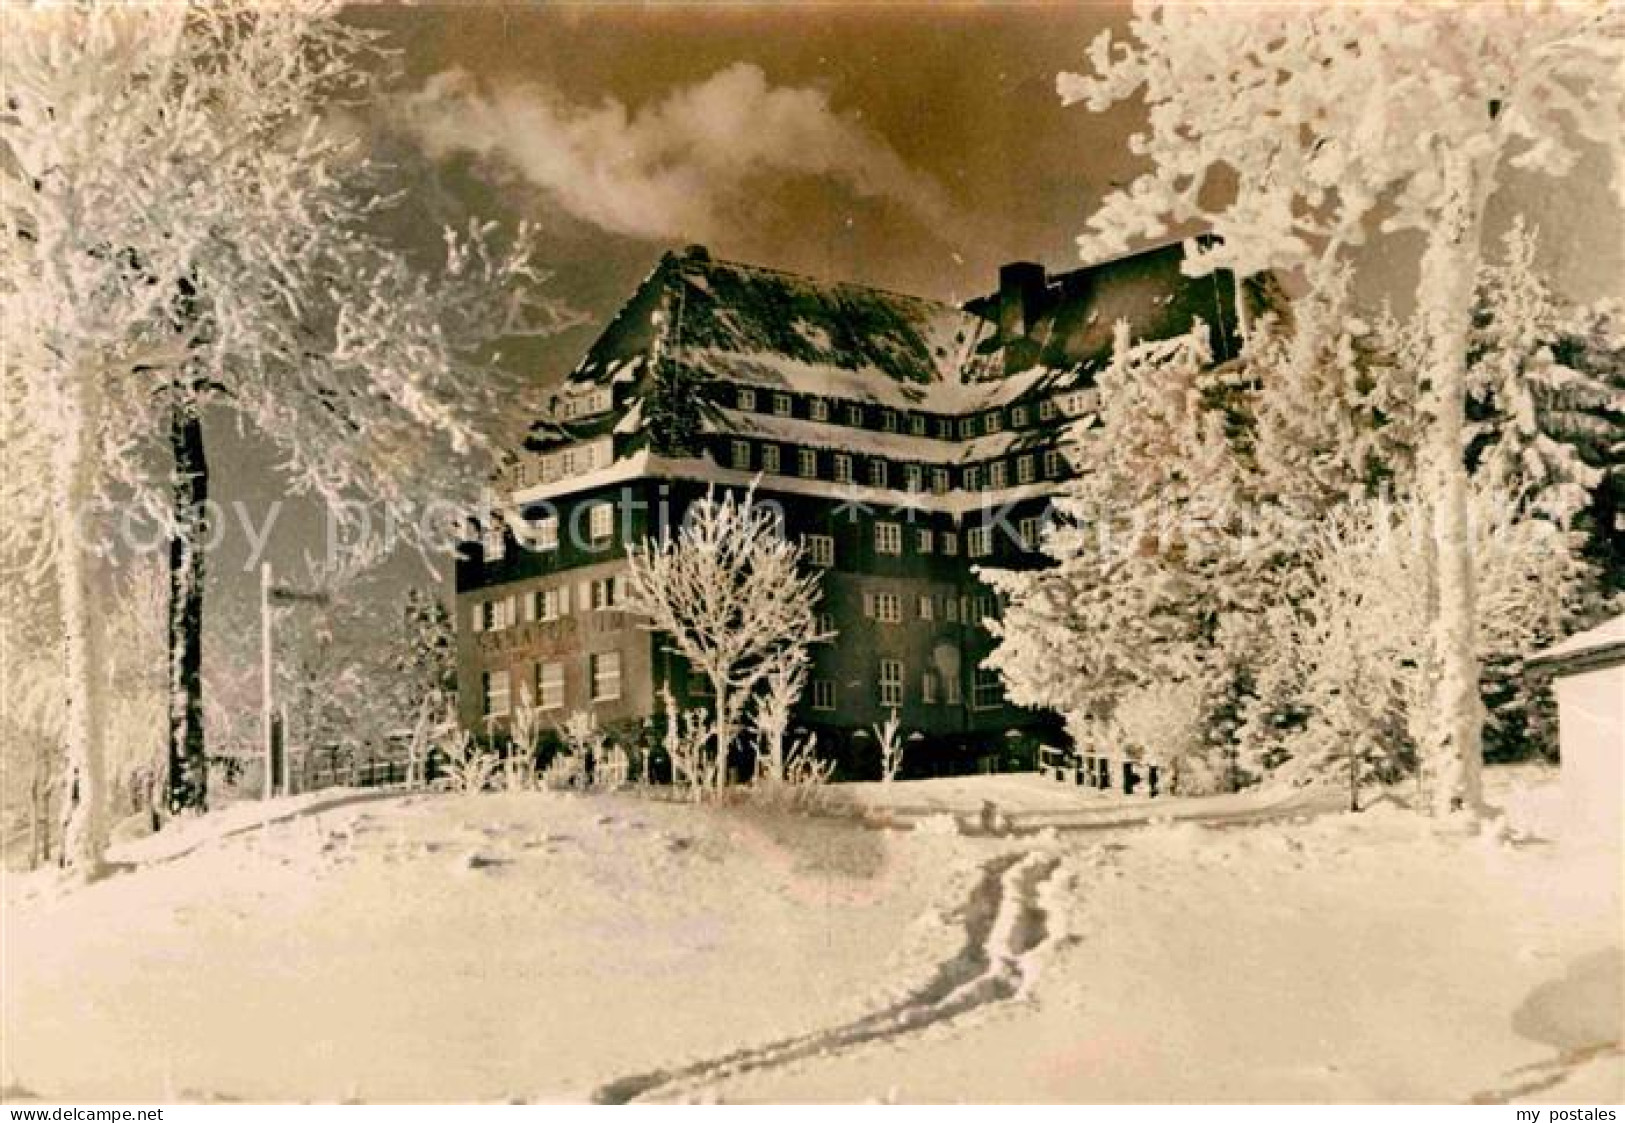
547, 532
807, 463
889, 682
494, 543
545, 685
1024, 469
601, 681
998, 475
927, 606
490, 693
993, 422
739, 455
973, 478
1031, 531
601, 524
1019, 416
820, 549
923, 539
781, 404
889, 539
953, 691
916, 425
948, 542
746, 398
888, 608
877, 473
818, 410
770, 459
939, 481
929, 692
843, 468
888, 420
854, 414
978, 541
1047, 410
967, 427
1052, 463
987, 689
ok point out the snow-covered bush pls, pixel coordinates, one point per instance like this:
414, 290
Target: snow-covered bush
731, 595
889, 737
524, 739
1166, 724
468, 766
689, 748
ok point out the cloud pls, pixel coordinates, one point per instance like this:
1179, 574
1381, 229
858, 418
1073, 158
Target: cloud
689, 167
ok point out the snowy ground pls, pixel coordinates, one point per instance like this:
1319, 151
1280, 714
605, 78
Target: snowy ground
546, 947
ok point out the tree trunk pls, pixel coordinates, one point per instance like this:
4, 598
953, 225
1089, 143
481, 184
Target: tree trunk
84, 791
1446, 301
187, 780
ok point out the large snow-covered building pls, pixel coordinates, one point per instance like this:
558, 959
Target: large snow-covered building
907, 442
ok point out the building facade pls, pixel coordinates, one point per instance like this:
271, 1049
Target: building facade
905, 441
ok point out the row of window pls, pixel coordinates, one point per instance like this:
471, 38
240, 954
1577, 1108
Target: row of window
601, 595
567, 462
543, 533
887, 608
569, 407
546, 688
889, 539
987, 692
751, 456
893, 421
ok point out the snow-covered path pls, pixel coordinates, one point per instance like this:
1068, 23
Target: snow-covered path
1006, 926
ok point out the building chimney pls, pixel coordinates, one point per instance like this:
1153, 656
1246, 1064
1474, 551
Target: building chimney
1021, 288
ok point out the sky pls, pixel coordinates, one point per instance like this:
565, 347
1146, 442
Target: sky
914, 147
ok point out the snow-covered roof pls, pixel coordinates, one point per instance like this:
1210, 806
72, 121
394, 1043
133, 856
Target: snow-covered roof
1602, 646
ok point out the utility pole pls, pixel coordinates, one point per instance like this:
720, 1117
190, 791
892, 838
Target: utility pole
267, 703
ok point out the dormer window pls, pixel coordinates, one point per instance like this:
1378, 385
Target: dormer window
746, 398
993, 423
1019, 416
781, 404
818, 409
854, 414
888, 421
916, 425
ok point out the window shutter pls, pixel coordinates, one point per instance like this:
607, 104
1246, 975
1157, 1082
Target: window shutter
869, 605
564, 600
478, 622
584, 596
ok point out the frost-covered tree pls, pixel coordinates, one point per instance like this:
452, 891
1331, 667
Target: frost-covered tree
181, 230
782, 686
730, 594
1360, 640
889, 738
1333, 404
1290, 132
1147, 559
1550, 405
